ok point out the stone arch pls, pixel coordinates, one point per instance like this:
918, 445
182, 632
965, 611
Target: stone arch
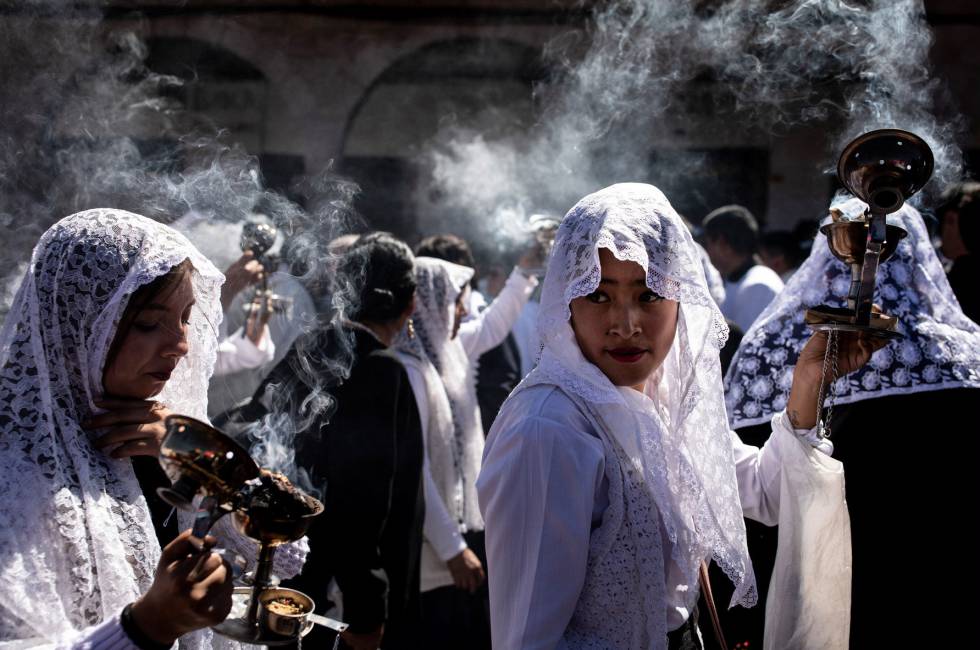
467, 80
219, 85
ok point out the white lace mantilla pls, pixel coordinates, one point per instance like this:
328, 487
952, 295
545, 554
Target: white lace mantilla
76, 540
674, 438
455, 455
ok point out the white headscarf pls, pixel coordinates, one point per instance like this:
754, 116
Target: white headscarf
76, 539
716, 286
940, 347
677, 434
455, 451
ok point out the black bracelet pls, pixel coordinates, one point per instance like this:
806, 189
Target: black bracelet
135, 634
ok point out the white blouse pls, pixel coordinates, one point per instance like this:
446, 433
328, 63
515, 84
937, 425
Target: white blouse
489, 328
543, 490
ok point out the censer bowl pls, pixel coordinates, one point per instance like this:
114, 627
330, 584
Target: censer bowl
198, 457
270, 527
848, 240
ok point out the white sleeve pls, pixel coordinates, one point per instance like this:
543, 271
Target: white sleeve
108, 635
490, 327
287, 562
537, 492
439, 528
237, 352
758, 471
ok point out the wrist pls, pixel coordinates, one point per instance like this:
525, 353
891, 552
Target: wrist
146, 630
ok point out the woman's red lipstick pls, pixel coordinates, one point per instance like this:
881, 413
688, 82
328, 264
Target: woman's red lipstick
627, 355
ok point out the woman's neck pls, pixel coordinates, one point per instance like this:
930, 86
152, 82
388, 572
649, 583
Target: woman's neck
384, 332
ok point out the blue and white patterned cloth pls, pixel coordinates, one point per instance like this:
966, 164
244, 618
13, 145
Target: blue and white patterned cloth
940, 347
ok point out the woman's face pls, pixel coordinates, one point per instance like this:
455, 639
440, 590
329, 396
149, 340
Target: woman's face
460, 312
155, 342
622, 327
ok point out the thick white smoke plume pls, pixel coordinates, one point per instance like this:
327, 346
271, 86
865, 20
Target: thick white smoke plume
85, 123
644, 71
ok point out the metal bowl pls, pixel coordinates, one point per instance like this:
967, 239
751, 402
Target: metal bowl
201, 459
291, 625
270, 527
848, 240
884, 168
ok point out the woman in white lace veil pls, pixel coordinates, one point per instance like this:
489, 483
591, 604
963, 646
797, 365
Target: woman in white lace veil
76, 536
940, 347
603, 495
443, 380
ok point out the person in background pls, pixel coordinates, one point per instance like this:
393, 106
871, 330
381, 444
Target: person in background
497, 369
250, 345
900, 426
959, 222
454, 596
359, 436
731, 236
293, 313
779, 250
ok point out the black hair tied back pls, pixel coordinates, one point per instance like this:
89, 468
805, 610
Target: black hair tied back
377, 278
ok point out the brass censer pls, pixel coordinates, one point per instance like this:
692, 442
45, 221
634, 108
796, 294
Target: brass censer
266, 507
884, 169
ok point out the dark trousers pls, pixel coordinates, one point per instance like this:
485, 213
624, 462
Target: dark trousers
686, 636
453, 618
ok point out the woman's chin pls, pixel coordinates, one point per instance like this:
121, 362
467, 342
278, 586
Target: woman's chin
138, 390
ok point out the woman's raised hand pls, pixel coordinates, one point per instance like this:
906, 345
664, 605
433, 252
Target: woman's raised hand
134, 427
191, 590
854, 349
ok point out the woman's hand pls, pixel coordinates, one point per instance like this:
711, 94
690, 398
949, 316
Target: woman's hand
136, 427
854, 349
258, 317
244, 272
467, 570
191, 590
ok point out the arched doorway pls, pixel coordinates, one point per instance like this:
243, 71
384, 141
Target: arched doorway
466, 81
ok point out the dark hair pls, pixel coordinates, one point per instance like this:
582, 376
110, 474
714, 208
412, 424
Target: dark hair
446, 247
376, 278
964, 200
735, 225
785, 243
158, 289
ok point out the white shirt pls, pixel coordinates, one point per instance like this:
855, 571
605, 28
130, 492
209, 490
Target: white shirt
749, 295
543, 490
489, 328
283, 329
442, 535
237, 352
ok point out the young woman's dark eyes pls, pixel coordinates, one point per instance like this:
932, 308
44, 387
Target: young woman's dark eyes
650, 296
147, 328
597, 297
